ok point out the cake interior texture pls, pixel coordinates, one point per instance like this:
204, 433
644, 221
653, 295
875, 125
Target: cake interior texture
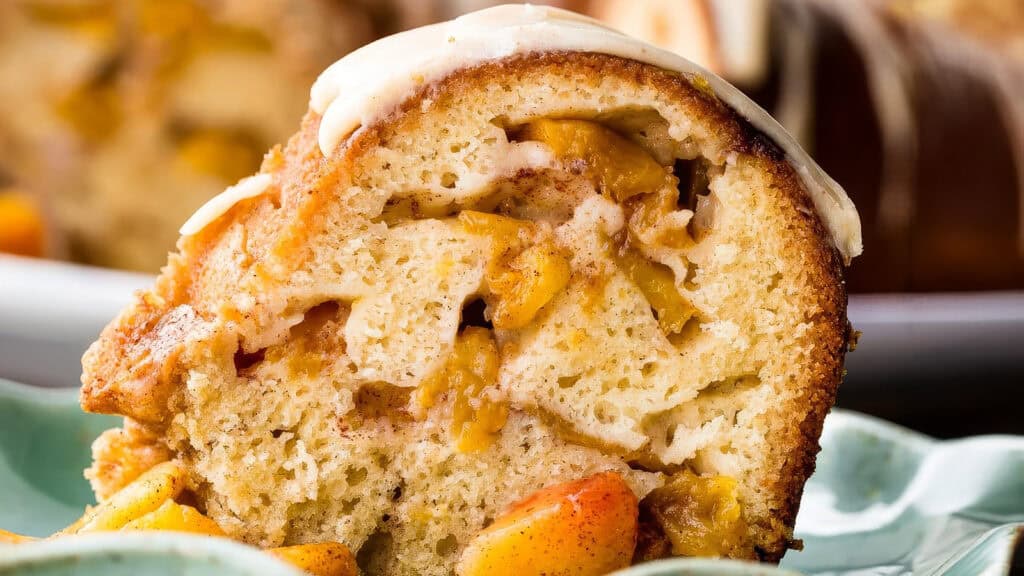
534, 270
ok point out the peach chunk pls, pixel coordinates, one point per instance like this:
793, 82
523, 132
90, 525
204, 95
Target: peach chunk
658, 285
176, 517
472, 368
617, 166
583, 527
323, 559
142, 496
508, 233
12, 538
521, 279
527, 284
701, 515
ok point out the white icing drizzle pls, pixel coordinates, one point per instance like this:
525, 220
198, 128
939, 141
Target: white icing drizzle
373, 80
218, 205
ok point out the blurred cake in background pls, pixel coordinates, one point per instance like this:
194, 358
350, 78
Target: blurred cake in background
998, 23
682, 26
918, 110
728, 37
123, 116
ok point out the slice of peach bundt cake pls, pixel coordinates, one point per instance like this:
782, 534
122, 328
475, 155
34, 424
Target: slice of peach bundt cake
515, 257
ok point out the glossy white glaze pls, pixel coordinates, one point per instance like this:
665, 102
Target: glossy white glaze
216, 207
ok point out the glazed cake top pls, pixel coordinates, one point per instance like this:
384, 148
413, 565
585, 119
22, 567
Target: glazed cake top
371, 81
368, 83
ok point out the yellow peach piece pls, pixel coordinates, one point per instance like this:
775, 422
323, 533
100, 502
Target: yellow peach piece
617, 166
657, 282
324, 559
504, 230
584, 527
177, 517
142, 496
526, 284
701, 515
520, 280
12, 538
649, 212
472, 368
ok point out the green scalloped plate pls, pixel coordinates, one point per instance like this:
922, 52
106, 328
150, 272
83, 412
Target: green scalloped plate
884, 501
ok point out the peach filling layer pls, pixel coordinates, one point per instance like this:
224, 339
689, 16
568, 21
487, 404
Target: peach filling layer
469, 372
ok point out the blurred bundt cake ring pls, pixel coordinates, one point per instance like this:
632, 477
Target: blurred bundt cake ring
905, 83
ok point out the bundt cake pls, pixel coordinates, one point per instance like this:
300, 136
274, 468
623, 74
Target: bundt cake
522, 293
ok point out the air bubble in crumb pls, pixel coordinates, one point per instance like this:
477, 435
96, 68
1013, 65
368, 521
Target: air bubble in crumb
447, 545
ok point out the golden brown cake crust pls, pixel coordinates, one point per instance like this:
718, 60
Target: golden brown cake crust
133, 368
